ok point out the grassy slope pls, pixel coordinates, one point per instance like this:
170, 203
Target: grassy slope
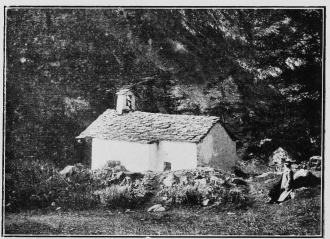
300, 216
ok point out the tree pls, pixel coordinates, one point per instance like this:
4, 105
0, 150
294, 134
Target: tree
259, 70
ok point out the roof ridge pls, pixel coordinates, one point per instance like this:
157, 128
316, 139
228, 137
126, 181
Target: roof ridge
159, 113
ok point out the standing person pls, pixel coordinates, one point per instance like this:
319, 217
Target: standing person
280, 192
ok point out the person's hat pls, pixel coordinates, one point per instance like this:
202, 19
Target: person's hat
287, 162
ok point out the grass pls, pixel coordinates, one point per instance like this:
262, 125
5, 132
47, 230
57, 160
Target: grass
300, 216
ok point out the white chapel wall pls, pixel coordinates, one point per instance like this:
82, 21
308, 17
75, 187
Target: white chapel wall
181, 155
134, 156
217, 149
154, 162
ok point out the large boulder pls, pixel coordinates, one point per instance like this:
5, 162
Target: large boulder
154, 208
160, 209
113, 163
278, 157
170, 179
238, 181
304, 178
315, 162
69, 170
200, 181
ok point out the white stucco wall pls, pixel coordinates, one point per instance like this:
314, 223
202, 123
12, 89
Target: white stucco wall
134, 156
154, 161
181, 155
217, 149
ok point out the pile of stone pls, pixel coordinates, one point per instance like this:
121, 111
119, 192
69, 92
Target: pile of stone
315, 163
208, 183
201, 176
113, 166
71, 170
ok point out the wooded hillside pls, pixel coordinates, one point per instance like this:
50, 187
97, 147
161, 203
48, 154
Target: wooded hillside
260, 70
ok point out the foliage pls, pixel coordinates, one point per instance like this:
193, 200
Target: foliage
197, 194
126, 196
34, 184
299, 217
259, 70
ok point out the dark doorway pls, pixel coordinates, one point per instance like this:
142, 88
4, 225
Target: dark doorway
167, 166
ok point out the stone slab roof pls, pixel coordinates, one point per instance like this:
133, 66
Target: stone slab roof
146, 127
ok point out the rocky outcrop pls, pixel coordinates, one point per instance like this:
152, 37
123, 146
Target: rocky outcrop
315, 163
70, 170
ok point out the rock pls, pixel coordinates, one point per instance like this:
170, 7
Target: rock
107, 170
169, 201
112, 163
295, 167
315, 162
126, 181
119, 168
79, 166
304, 178
264, 175
119, 174
154, 207
216, 181
206, 169
170, 180
200, 181
238, 181
69, 170
184, 180
160, 209
271, 180
300, 173
279, 156
134, 175
205, 202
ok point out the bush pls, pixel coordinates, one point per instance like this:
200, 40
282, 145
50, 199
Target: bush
126, 196
116, 196
198, 194
35, 184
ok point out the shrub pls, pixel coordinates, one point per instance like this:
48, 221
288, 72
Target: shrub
35, 184
23, 185
116, 196
123, 196
197, 194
